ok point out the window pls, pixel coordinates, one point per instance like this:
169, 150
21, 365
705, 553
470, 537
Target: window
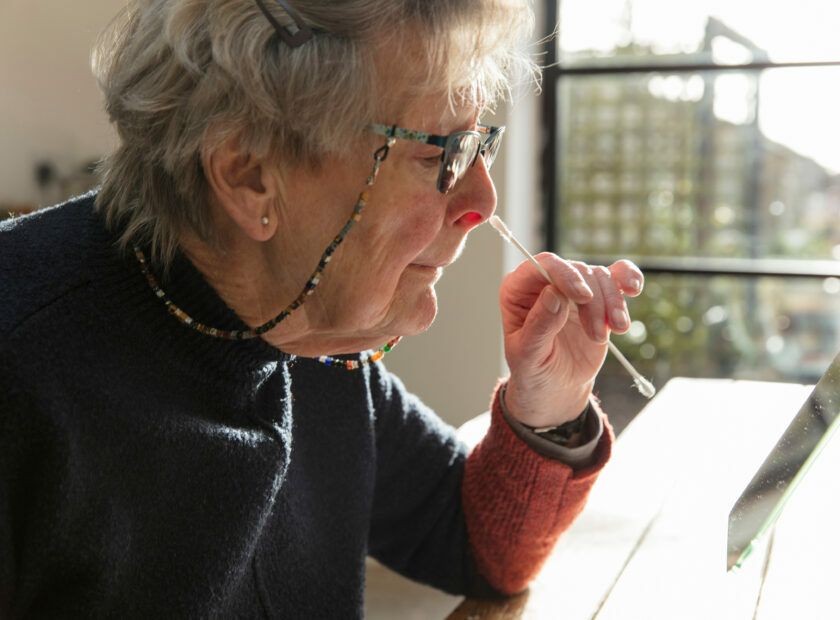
702, 141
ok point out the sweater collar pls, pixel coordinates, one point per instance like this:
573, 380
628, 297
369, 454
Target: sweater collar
130, 297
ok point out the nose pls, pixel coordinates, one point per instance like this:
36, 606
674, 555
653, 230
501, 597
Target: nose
473, 200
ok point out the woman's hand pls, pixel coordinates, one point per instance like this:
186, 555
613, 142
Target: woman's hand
554, 350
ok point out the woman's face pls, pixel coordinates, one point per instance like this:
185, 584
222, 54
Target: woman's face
380, 282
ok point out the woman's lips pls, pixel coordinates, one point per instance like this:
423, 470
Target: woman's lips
433, 271
433, 266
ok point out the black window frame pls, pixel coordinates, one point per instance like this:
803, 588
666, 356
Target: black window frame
554, 73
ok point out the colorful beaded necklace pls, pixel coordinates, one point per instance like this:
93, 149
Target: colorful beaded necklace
246, 334
354, 364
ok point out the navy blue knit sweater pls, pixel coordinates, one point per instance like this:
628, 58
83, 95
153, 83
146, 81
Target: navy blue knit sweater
147, 470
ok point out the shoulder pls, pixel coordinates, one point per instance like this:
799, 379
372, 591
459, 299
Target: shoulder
373, 388
399, 411
43, 258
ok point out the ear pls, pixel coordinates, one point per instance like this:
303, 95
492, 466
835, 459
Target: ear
243, 188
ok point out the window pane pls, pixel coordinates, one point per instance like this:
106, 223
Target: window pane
717, 164
722, 31
777, 329
697, 163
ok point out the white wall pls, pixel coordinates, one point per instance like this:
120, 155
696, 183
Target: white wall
50, 109
49, 105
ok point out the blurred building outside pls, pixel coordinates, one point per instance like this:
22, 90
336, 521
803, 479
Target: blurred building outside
672, 169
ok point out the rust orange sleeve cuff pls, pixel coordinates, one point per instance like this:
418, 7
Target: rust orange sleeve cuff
517, 502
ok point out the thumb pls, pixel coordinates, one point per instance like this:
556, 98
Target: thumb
545, 319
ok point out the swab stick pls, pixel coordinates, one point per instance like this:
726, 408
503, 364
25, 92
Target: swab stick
644, 386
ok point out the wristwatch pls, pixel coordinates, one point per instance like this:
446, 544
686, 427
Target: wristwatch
562, 434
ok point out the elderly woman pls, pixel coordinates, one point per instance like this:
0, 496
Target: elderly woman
187, 425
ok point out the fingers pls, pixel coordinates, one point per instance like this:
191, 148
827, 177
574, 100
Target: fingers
522, 287
542, 323
597, 292
628, 276
566, 277
605, 309
613, 315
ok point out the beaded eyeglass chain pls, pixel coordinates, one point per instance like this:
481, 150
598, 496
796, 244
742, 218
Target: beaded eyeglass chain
246, 334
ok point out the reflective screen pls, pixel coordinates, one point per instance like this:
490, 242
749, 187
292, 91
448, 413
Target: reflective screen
762, 501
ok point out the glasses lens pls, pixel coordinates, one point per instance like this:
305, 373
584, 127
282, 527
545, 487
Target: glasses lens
460, 151
491, 147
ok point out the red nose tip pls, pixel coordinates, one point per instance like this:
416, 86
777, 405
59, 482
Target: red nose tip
472, 219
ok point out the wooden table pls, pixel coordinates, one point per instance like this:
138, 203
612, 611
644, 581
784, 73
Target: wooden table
651, 542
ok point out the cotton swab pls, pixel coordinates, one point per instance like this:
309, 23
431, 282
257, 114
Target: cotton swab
644, 386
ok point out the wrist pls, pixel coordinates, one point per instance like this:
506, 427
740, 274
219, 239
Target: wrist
545, 408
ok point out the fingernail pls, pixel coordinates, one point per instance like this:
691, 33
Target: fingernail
636, 284
551, 301
619, 319
583, 289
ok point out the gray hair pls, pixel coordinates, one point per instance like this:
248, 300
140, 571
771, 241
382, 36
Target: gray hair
181, 76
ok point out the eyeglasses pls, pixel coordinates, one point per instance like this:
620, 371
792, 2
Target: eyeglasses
460, 149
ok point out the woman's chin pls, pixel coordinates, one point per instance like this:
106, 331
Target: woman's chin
415, 316
405, 315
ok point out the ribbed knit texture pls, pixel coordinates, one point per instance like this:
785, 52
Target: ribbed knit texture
150, 471
518, 503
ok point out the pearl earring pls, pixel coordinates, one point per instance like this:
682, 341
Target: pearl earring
265, 220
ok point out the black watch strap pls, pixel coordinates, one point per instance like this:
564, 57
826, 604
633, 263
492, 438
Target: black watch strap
562, 434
